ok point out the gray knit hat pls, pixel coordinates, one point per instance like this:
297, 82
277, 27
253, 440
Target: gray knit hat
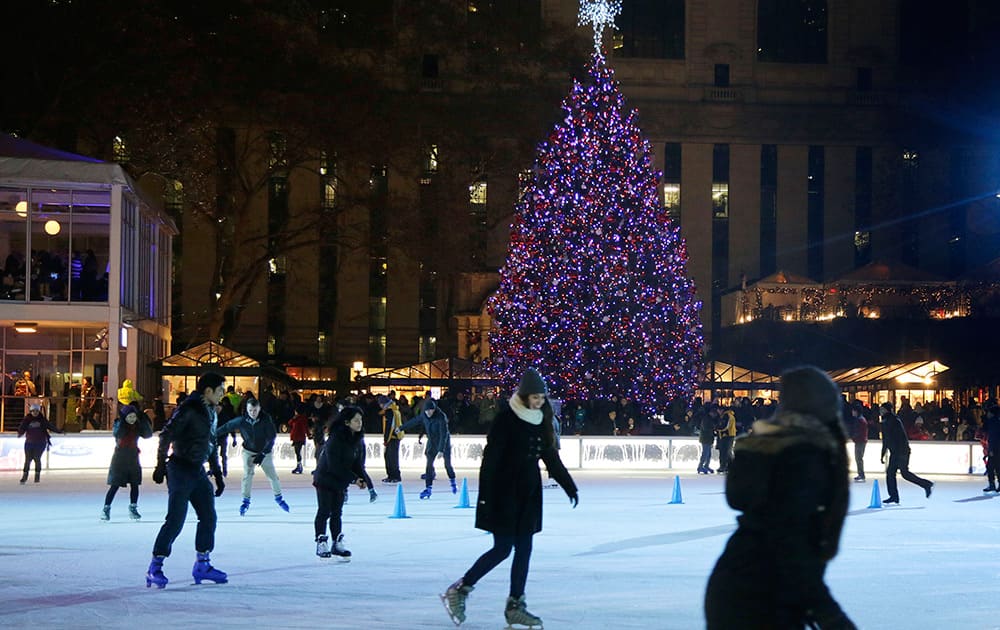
809, 390
532, 383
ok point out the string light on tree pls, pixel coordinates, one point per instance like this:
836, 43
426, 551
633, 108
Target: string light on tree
595, 292
600, 14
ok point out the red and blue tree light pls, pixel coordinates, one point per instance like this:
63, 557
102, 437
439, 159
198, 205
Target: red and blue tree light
595, 292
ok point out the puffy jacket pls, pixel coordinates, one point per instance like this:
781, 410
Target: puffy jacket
258, 435
190, 435
127, 435
342, 459
435, 426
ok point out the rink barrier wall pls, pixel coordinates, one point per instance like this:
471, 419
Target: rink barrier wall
93, 450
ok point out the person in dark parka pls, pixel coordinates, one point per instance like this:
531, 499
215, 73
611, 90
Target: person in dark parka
125, 470
789, 480
895, 442
340, 463
510, 494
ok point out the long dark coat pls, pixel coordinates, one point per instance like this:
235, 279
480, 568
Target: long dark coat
789, 480
510, 484
125, 468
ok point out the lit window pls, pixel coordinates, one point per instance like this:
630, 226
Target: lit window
477, 192
120, 150
720, 200
278, 144
672, 200
277, 266
911, 158
272, 345
862, 240
431, 165
321, 346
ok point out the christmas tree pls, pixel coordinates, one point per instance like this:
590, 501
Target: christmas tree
594, 292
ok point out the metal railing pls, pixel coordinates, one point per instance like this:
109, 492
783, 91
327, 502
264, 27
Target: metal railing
62, 411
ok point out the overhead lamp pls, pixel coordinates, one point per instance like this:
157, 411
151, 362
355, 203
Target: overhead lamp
52, 227
26, 327
22, 208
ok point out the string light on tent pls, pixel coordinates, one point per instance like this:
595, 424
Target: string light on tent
600, 14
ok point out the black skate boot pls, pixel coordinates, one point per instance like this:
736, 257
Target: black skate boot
106, 513
133, 511
518, 616
339, 550
24, 477
203, 570
322, 548
38, 476
454, 601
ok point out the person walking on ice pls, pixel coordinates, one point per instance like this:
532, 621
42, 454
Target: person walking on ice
895, 442
435, 424
257, 430
340, 462
510, 496
189, 436
125, 470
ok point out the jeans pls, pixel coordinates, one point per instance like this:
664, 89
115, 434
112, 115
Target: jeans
501, 549
706, 456
431, 456
187, 485
859, 458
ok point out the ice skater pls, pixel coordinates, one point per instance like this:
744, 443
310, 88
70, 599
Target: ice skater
257, 430
35, 429
341, 461
189, 436
894, 441
298, 433
510, 496
435, 425
789, 480
392, 419
125, 470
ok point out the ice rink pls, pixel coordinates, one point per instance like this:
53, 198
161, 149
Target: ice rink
625, 558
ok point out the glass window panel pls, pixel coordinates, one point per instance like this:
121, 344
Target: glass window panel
13, 242
49, 262
91, 247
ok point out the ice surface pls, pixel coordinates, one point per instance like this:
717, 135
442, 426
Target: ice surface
624, 558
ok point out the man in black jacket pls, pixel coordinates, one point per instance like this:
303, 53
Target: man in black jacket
189, 436
894, 441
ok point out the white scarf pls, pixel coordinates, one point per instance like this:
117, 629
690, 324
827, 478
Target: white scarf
531, 416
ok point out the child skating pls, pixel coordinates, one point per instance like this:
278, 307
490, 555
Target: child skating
125, 470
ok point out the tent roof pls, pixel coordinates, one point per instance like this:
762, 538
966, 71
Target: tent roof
916, 372
785, 277
722, 374
890, 272
209, 354
23, 161
12, 146
437, 372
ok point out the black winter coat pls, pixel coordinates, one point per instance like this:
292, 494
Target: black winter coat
125, 468
510, 484
342, 460
789, 480
894, 437
190, 432
258, 435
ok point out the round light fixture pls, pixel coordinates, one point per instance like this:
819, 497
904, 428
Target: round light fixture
52, 227
21, 208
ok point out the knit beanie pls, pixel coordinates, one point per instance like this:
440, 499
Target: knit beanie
532, 383
809, 390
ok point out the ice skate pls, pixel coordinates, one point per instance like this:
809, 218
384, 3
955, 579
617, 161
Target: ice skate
106, 513
390, 480
322, 548
425, 493
244, 506
24, 477
454, 601
339, 550
298, 469
154, 575
133, 511
281, 502
203, 570
990, 488
454, 488
518, 617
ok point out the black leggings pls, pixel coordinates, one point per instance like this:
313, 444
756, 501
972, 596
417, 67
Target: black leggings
133, 494
330, 506
502, 545
298, 451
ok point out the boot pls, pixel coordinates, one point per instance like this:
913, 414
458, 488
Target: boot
244, 506
106, 513
516, 613
154, 575
298, 469
322, 549
203, 570
24, 477
454, 600
454, 488
339, 549
425, 493
281, 502
133, 511
38, 476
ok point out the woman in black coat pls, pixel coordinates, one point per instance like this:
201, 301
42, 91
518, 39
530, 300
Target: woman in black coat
341, 461
789, 480
510, 494
125, 470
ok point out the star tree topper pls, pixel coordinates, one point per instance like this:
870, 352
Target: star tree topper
600, 14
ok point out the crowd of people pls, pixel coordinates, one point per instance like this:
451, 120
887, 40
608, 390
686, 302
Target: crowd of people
54, 276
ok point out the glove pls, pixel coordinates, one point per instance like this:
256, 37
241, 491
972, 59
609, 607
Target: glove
361, 484
372, 495
574, 499
220, 485
258, 458
883, 459
159, 473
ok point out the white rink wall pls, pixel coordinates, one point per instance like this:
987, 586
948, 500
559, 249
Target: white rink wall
93, 450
